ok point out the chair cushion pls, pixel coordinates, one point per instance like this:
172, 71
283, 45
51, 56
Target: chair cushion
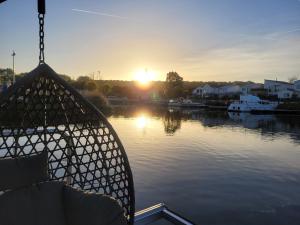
23, 171
34, 205
82, 208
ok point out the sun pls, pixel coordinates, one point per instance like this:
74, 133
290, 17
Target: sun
144, 77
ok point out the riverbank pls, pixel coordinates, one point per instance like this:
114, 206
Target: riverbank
211, 105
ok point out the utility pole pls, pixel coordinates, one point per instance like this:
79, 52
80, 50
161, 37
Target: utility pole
14, 77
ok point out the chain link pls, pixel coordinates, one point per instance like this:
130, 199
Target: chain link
41, 34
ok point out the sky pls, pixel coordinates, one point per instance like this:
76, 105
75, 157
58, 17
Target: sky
202, 40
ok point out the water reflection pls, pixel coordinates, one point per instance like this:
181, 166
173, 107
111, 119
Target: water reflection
172, 121
142, 121
251, 121
266, 125
214, 167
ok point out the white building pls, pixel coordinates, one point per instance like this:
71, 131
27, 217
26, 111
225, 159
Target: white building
297, 85
274, 87
297, 88
285, 94
281, 89
207, 90
229, 90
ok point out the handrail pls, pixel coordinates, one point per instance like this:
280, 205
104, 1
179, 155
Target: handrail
157, 212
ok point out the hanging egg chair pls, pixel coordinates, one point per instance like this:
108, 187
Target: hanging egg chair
42, 112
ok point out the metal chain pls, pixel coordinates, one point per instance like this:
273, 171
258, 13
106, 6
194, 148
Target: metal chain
41, 34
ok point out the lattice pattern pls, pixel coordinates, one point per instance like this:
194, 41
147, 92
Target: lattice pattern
42, 112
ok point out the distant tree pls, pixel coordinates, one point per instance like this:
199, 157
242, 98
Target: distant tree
116, 90
105, 89
65, 77
293, 79
20, 75
90, 85
83, 79
7, 71
6, 75
174, 85
82, 83
173, 77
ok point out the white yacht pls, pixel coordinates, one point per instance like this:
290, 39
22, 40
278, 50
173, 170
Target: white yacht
248, 103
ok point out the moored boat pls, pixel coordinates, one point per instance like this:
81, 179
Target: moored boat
185, 103
249, 103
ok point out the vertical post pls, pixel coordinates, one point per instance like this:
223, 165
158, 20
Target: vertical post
14, 77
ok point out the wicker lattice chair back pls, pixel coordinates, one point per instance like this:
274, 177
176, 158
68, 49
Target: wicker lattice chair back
42, 112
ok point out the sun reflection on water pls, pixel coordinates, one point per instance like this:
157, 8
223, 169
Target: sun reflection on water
142, 121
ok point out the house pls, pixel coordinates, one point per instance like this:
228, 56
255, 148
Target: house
207, 90
281, 89
297, 85
229, 90
297, 88
278, 88
285, 94
249, 88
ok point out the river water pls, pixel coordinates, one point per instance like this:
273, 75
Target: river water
214, 167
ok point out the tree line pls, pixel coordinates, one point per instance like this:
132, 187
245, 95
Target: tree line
174, 86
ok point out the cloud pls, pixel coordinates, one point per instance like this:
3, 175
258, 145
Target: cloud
291, 31
244, 61
277, 35
99, 13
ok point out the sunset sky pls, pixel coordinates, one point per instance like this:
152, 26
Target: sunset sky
221, 40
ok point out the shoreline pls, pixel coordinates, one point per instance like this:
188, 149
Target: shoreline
204, 107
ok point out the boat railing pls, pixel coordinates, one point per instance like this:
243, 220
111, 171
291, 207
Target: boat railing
159, 212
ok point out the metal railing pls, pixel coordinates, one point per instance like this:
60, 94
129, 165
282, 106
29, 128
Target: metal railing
159, 212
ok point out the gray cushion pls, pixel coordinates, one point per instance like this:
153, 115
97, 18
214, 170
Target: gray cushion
23, 171
34, 205
82, 208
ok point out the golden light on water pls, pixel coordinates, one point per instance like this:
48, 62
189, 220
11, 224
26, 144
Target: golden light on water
142, 121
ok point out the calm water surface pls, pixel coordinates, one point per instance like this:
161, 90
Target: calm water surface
214, 167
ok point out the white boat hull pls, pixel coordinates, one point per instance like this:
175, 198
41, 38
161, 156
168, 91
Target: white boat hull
251, 103
236, 107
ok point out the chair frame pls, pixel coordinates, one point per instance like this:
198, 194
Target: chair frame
41, 111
